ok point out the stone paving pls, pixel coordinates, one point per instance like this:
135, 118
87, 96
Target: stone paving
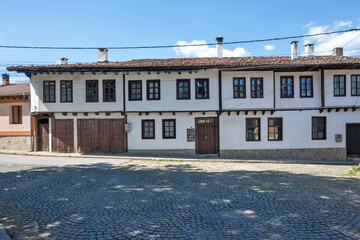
179, 200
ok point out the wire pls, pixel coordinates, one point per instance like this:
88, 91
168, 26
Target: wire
187, 45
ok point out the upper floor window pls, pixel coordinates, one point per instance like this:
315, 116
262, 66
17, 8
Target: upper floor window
239, 87
202, 88
257, 87
339, 85
183, 89
275, 129
169, 128
355, 85
16, 115
109, 91
49, 91
153, 89
318, 128
92, 91
148, 129
253, 129
306, 86
135, 90
66, 91
287, 87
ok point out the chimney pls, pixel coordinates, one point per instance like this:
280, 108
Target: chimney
103, 55
6, 79
63, 61
294, 55
338, 51
219, 47
309, 50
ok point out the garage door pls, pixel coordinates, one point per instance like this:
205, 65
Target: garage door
63, 135
101, 136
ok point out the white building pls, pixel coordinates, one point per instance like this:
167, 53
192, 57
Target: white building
249, 107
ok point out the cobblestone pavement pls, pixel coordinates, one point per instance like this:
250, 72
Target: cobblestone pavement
179, 200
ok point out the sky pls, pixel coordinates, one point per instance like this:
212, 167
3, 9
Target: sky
114, 23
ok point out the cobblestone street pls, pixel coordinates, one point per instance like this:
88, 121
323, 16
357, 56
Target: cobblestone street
178, 200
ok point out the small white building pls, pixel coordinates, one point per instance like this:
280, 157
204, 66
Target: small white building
247, 107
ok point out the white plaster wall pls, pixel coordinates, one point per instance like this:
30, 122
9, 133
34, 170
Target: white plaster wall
5, 110
347, 100
79, 103
229, 102
298, 102
183, 122
168, 101
296, 130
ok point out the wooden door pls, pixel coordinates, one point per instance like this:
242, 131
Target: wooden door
206, 135
63, 135
43, 137
353, 139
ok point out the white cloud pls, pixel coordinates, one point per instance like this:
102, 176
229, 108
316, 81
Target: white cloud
206, 51
308, 25
340, 24
269, 47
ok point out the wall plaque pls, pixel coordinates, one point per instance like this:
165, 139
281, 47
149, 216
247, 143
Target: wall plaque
190, 132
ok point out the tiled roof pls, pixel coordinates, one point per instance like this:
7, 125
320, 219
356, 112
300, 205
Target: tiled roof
18, 89
198, 63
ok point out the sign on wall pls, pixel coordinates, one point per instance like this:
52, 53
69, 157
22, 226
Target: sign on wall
190, 132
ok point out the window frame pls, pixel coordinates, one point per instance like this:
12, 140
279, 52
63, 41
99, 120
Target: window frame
312, 128
19, 119
351, 85
163, 128
87, 90
48, 90
148, 88
287, 90
312, 86
197, 88
61, 94
177, 88
129, 89
334, 88
239, 91
246, 127
281, 129
104, 88
143, 128
255, 91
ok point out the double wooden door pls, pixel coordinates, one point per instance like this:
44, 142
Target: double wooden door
353, 139
207, 138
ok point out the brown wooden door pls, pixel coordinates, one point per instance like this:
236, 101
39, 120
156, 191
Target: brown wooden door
63, 135
43, 137
353, 139
206, 135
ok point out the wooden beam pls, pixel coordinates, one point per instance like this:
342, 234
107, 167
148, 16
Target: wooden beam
140, 113
14, 133
97, 113
255, 112
64, 114
203, 113
107, 113
16, 100
237, 113
229, 112
353, 109
346, 109
160, 113
321, 110
146, 113
74, 114
272, 112
246, 112
173, 113
337, 109
329, 110
86, 114
263, 112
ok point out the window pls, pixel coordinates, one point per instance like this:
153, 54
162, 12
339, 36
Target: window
153, 89
275, 129
287, 87
206, 120
135, 90
109, 91
66, 91
355, 85
306, 86
183, 89
256, 88
92, 91
169, 128
339, 85
49, 91
253, 129
148, 129
202, 88
239, 87
318, 128
16, 115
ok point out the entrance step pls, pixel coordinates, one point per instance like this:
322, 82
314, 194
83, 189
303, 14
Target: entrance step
355, 159
208, 155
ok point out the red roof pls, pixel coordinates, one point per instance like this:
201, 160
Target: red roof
18, 89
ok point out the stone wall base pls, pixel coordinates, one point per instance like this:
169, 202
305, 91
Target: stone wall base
18, 143
163, 152
329, 154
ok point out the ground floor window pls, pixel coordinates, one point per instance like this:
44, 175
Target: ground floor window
318, 128
16, 115
275, 129
148, 129
169, 128
253, 129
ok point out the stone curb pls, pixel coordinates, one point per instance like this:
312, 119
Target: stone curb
3, 233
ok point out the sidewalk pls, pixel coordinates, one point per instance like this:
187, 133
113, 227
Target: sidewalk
172, 158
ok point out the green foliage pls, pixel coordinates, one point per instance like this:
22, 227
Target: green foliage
354, 170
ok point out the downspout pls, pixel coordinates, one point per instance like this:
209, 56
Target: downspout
274, 89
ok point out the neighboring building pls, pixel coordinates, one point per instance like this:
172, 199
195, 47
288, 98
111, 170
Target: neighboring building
14, 115
247, 107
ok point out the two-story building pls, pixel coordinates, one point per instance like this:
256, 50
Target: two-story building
248, 107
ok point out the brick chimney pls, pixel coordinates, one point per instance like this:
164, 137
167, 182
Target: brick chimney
103, 55
338, 51
6, 79
219, 47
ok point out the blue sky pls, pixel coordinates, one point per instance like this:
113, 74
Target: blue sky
135, 23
